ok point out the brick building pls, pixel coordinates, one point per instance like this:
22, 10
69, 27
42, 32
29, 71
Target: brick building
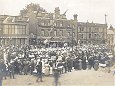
93, 33
35, 25
13, 30
54, 27
110, 39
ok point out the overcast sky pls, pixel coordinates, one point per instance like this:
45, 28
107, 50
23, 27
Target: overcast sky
91, 10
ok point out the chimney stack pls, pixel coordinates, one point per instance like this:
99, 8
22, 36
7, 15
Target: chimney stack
57, 11
75, 17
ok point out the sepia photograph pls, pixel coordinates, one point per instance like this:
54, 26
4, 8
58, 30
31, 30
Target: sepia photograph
57, 42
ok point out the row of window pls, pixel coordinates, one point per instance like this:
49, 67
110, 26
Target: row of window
15, 26
14, 29
55, 33
91, 42
55, 23
50, 33
83, 36
89, 29
13, 41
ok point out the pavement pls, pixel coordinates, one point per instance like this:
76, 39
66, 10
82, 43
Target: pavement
74, 78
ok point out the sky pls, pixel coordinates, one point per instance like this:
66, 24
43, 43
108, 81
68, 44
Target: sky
91, 10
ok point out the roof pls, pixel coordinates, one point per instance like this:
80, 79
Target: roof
90, 24
50, 15
15, 19
2, 17
110, 32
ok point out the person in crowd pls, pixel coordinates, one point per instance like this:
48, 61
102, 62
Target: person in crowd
69, 65
76, 64
39, 71
51, 63
11, 69
25, 69
80, 63
56, 74
16, 69
47, 69
60, 66
96, 63
1, 71
102, 59
108, 64
91, 62
51, 67
84, 64
32, 67
65, 66
4, 71
28, 66
21, 67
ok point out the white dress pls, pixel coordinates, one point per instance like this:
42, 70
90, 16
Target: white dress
51, 70
47, 72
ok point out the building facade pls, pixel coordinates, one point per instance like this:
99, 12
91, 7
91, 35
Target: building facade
92, 33
53, 27
110, 39
14, 30
35, 25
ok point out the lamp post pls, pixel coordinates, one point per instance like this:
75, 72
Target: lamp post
72, 41
71, 37
10, 41
52, 29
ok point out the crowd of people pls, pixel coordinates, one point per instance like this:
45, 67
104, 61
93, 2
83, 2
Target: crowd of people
32, 60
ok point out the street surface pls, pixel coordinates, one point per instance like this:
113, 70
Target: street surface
74, 78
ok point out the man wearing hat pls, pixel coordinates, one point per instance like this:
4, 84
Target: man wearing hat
39, 71
11, 69
56, 75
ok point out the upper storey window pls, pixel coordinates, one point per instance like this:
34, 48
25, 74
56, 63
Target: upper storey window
81, 29
96, 29
42, 32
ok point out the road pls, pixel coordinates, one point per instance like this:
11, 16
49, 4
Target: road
74, 78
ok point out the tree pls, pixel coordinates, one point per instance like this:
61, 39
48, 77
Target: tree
32, 7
